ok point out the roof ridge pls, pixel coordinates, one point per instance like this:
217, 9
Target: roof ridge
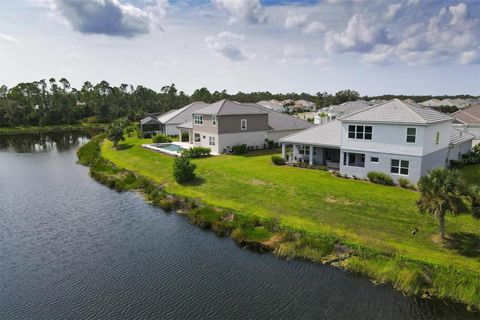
366, 109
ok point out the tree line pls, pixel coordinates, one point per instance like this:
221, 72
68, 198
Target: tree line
52, 102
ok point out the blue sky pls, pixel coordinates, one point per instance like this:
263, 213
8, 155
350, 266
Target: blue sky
372, 46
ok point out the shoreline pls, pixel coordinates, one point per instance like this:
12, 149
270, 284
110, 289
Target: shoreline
410, 276
53, 128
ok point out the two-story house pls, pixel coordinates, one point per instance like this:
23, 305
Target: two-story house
224, 124
395, 137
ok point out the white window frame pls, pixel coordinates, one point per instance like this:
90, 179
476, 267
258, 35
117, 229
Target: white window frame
401, 166
372, 161
195, 137
242, 127
214, 121
409, 135
357, 132
198, 119
211, 141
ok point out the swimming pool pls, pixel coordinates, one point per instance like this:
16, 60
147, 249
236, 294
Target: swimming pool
169, 146
173, 149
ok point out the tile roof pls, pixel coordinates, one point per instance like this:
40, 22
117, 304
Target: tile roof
227, 107
328, 135
458, 136
282, 121
469, 115
397, 111
181, 115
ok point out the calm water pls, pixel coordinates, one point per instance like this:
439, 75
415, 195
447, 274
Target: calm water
71, 248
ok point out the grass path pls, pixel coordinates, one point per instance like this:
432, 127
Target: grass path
359, 212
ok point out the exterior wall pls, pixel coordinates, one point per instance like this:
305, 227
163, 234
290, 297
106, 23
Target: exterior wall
434, 160
430, 136
383, 165
474, 129
171, 129
205, 141
456, 152
207, 126
251, 139
231, 124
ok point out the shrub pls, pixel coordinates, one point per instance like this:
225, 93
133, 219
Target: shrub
380, 178
161, 138
183, 169
196, 152
405, 183
271, 144
277, 160
239, 149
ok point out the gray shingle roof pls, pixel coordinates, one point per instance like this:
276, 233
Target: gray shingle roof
149, 120
458, 136
469, 115
181, 115
282, 121
397, 111
328, 135
349, 107
227, 107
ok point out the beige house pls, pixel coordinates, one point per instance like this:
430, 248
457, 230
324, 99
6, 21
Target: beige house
224, 124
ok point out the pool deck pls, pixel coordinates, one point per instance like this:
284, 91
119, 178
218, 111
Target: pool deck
184, 145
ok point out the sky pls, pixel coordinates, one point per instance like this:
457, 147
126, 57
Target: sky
372, 46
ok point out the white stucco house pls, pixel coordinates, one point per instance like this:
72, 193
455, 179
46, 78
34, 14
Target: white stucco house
395, 137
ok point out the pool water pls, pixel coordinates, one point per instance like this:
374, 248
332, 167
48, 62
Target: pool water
170, 147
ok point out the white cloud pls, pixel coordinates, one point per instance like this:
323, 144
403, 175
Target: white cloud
470, 57
74, 55
359, 36
392, 11
225, 44
246, 11
7, 39
111, 17
297, 54
301, 21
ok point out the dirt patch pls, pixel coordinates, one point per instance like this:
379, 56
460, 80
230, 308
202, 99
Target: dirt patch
331, 199
273, 241
256, 182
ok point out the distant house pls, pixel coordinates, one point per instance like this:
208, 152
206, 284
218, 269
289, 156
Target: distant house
468, 120
395, 137
169, 121
435, 103
272, 104
335, 111
224, 124
150, 125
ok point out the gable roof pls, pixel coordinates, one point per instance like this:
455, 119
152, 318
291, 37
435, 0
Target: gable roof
458, 136
227, 107
469, 115
328, 135
149, 120
397, 111
282, 121
349, 107
181, 115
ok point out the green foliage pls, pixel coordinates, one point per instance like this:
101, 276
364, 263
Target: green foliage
380, 178
115, 131
183, 169
473, 157
196, 152
447, 109
161, 138
239, 149
89, 153
405, 183
278, 160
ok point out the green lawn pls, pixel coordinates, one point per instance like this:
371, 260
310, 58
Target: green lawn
357, 211
472, 174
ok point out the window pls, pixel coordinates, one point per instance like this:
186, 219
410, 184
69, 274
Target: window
198, 119
214, 120
197, 137
400, 167
211, 141
243, 124
374, 160
437, 139
360, 132
305, 150
411, 135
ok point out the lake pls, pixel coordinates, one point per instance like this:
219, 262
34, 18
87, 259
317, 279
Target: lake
71, 248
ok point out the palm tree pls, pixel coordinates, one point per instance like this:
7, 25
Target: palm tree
441, 192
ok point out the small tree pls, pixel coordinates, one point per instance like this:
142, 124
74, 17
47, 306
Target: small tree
441, 191
115, 131
183, 169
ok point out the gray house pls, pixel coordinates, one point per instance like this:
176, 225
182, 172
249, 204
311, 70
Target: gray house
395, 137
224, 124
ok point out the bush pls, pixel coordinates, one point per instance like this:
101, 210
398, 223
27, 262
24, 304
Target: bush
380, 178
240, 149
277, 160
183, 169
271, 144
161, 138
196, 152
405, 183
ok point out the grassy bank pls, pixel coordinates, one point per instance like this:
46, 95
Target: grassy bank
307, 214
472, 174
55, 128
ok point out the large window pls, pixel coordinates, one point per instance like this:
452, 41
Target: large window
411, 135
198, 119
243, 124
360, 132
214, 120
305, 150
400, 167
197, 137
211, 141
